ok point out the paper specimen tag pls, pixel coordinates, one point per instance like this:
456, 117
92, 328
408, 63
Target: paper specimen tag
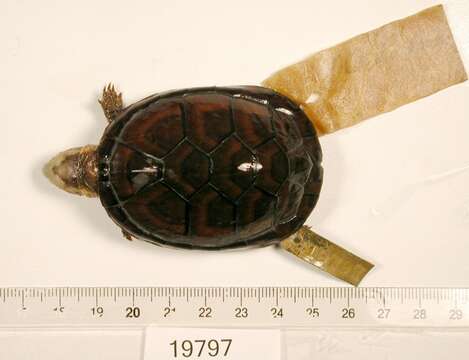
170, 343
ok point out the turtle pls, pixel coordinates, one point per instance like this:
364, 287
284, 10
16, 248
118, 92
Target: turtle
201, 168
208, 168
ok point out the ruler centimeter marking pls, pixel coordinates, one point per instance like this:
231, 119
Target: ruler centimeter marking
283, 307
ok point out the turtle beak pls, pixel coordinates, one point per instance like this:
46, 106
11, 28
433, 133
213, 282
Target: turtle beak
61, 170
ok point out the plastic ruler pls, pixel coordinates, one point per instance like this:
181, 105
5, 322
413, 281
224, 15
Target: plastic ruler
280, 307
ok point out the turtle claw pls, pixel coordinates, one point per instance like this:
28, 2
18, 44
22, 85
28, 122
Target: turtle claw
127, 235
111, 102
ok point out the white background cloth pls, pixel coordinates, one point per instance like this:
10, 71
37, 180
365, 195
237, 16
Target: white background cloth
391, 193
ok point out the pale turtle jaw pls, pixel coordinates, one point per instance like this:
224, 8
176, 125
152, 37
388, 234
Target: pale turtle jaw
64, 171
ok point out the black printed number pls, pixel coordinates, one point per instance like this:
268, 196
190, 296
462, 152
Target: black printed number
168, 310
97, 311
241, 312
205, 312
132, 312
348, 313
200, 348
313, 312
277, 312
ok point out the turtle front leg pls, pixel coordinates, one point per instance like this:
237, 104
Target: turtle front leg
111, 102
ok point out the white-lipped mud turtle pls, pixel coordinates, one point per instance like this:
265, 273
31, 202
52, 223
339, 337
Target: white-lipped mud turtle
206, 168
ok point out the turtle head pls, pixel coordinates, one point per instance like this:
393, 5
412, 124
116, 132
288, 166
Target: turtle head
74, 170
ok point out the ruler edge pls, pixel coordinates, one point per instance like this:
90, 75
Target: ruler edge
349, 289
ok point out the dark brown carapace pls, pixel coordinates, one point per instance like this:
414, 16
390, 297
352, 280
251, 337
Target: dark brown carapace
210, 168
204, 168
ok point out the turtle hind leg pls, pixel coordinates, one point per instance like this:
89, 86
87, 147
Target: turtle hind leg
127, 235
111, 102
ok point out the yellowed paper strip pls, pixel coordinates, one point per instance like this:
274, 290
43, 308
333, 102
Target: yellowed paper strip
320, 252
375, 72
